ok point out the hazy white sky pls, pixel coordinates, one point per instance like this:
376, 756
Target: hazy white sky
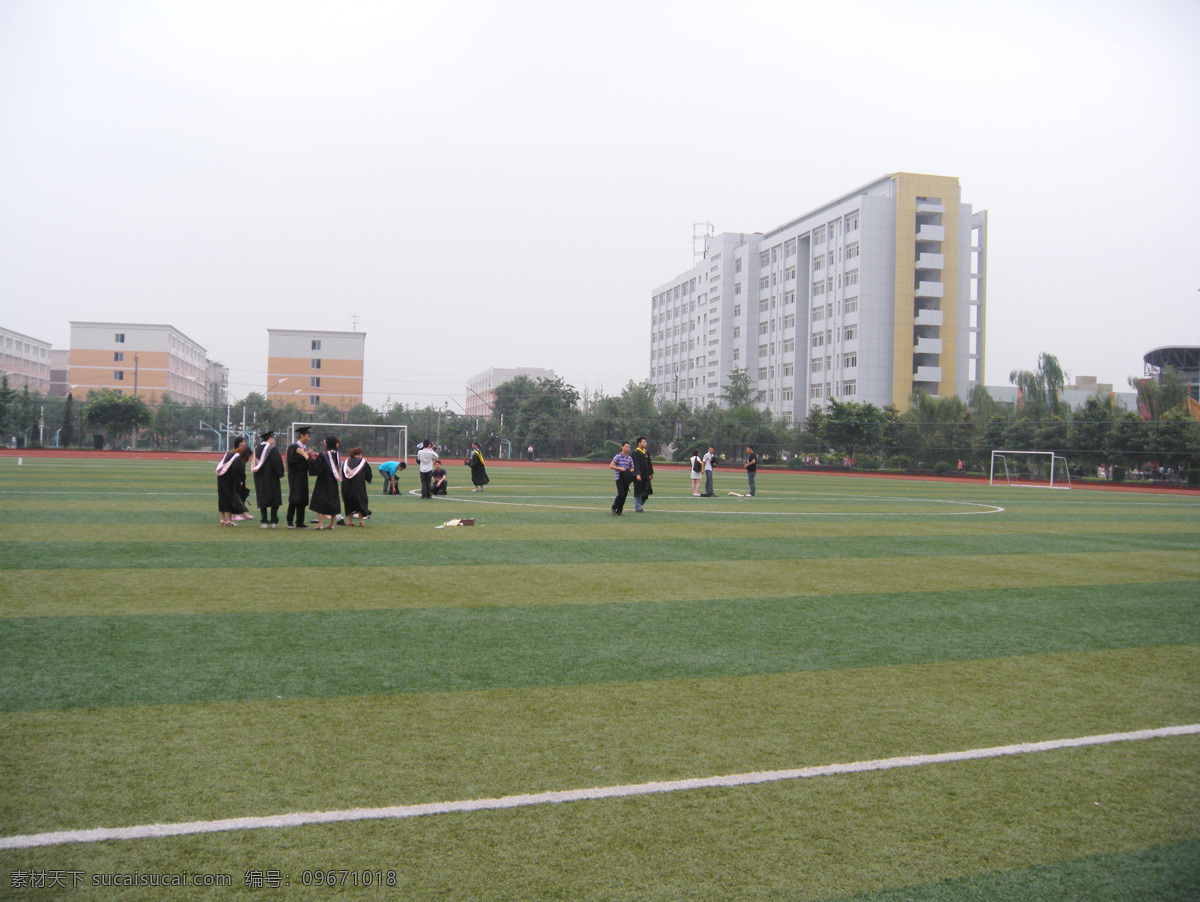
502, 184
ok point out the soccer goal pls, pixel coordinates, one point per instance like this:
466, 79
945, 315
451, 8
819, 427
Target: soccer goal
387, 442
1041, 469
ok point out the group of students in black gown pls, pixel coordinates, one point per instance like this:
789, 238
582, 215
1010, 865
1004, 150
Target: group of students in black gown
338, 481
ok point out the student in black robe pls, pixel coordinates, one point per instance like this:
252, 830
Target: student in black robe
268, 471
479, 476
643, 474
298, 456
326, 501
231, 483
356, 473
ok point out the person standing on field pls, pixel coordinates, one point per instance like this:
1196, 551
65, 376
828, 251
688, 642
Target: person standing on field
751, 466
298, 456
268, 471
709, 456
643, 474
426, 458
623, 464
697, 468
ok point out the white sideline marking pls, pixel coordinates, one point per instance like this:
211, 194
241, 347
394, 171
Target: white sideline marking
146, 831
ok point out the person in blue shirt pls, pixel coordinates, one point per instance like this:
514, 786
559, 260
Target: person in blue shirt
623, 464
389, 469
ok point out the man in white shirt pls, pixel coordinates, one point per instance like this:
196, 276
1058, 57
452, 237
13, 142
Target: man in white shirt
708, 459
426, 458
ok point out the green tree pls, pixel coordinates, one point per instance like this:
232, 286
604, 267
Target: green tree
1038, 391
1091, 432
853, 428
117, 416
740, 391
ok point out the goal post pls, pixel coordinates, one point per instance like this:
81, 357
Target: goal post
1037, 469
386, 442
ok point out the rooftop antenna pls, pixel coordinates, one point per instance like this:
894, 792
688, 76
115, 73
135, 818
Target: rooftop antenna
702, 233
353, 322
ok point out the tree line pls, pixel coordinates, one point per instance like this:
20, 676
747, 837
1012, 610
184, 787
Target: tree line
559, 422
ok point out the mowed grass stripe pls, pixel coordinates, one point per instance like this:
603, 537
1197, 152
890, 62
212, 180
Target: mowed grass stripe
136, 660
114, 554
59, 593
121, 766
1160, 874
803, 840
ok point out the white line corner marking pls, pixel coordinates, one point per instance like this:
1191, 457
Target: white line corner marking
147, 831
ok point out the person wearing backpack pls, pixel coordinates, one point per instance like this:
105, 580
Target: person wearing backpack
697, 472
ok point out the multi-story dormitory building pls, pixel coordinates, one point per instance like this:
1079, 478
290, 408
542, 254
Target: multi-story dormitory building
866, 298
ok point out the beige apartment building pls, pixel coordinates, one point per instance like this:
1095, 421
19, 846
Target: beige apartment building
145, 360
25, 361
308, 368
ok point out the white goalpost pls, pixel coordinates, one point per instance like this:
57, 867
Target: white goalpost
1025, 469
386, 442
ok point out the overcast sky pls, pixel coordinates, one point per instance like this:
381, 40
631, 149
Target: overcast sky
479, 184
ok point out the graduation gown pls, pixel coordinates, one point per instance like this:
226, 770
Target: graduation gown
267, 492
230, 485
479, 476
325, 496
354, 490
642, 466
297, 471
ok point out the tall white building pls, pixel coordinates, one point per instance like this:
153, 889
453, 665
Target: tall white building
867, 298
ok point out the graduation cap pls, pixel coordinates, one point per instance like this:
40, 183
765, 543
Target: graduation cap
303, 430
263, 436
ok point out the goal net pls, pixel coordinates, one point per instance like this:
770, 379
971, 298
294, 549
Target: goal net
386, 442
1044, 469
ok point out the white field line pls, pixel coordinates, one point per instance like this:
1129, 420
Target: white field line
749, 511
148, 831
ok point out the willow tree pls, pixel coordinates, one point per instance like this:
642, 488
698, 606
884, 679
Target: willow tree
1038, 391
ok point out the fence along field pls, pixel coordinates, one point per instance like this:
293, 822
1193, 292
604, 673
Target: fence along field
158, 670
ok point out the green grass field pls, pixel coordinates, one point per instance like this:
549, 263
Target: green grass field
158, 669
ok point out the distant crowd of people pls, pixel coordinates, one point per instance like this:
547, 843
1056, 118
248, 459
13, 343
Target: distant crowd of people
339, 492
339, 489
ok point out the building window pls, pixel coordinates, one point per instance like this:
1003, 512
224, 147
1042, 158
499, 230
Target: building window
818, 263
786, 394
737, 354
314, 381
789, 247
818, 234
737, 331
789, 297
851, 250
119, 338
852, 277
764, 259
764, 305
314, 400
316, 344
852, 221
789, 369
762, 373
818, 313
850, 332
762, 351
850, 387
818, 364
818, 340
789, 321
819, 287
789, 344
764, 283
316, 363
118, 356
737, 264
850, 305
762, 328
119, 375
737, 309
790, 272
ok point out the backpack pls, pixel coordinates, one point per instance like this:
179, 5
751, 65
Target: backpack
697, 466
